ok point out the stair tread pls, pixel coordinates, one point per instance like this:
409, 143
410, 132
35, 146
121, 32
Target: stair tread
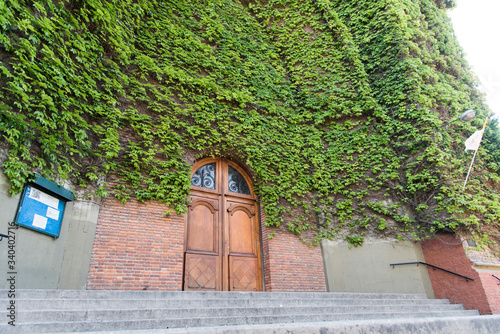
55, 311
294, 316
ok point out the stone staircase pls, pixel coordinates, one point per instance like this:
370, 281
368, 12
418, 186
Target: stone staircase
69, 311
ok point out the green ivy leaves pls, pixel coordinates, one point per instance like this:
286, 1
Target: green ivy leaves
342, 110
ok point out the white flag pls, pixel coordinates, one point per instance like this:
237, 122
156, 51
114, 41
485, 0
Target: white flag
473, 142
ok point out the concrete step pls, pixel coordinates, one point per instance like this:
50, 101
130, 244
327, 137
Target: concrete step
180, 313
183, 295
85, 326
102, 304
457, 325
64, 311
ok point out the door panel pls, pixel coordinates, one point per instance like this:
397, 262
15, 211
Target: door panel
241, 224
244, 265
203, 227
244, 274
240, 232
222, 245
202, 257
201, 272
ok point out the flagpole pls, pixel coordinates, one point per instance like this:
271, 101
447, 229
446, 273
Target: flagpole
474, 157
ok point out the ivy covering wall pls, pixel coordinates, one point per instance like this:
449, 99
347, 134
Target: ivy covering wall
344, 112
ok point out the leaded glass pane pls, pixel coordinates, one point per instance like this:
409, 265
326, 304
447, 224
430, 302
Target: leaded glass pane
237, 183
204, 177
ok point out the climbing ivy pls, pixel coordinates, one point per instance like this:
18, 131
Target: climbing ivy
344, 112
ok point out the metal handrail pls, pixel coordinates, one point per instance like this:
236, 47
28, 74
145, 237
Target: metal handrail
496, 277
434, 267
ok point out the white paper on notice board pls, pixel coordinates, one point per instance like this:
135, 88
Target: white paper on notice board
44, 198
52, 213
40, 221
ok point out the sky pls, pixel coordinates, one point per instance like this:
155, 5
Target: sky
477, 27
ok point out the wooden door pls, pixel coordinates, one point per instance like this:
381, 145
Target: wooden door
222, 247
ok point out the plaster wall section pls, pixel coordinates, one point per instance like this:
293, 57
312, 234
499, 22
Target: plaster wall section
367, 268
82, 223
44, 262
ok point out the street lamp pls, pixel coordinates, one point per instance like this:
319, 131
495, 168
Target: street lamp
468, 115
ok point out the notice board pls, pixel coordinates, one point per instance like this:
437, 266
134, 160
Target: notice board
41, 210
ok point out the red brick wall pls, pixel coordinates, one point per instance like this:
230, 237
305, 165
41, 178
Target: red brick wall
289, 264
492, 288
447, 252
137, 248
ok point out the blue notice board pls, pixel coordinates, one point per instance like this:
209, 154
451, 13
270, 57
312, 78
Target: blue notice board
40, 211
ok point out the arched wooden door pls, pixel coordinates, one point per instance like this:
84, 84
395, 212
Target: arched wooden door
222, 244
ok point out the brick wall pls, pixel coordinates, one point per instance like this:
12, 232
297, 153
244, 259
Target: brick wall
289, 264
491, 286
137, 248
487, 264
447, 252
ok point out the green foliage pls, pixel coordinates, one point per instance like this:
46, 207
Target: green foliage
492, 144
345, 112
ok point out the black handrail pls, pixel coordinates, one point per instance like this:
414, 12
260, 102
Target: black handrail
430, 265
496, 277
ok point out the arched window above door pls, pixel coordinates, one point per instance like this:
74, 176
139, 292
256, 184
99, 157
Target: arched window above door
222, 176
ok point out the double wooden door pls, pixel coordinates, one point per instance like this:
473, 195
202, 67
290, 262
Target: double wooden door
222, 244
